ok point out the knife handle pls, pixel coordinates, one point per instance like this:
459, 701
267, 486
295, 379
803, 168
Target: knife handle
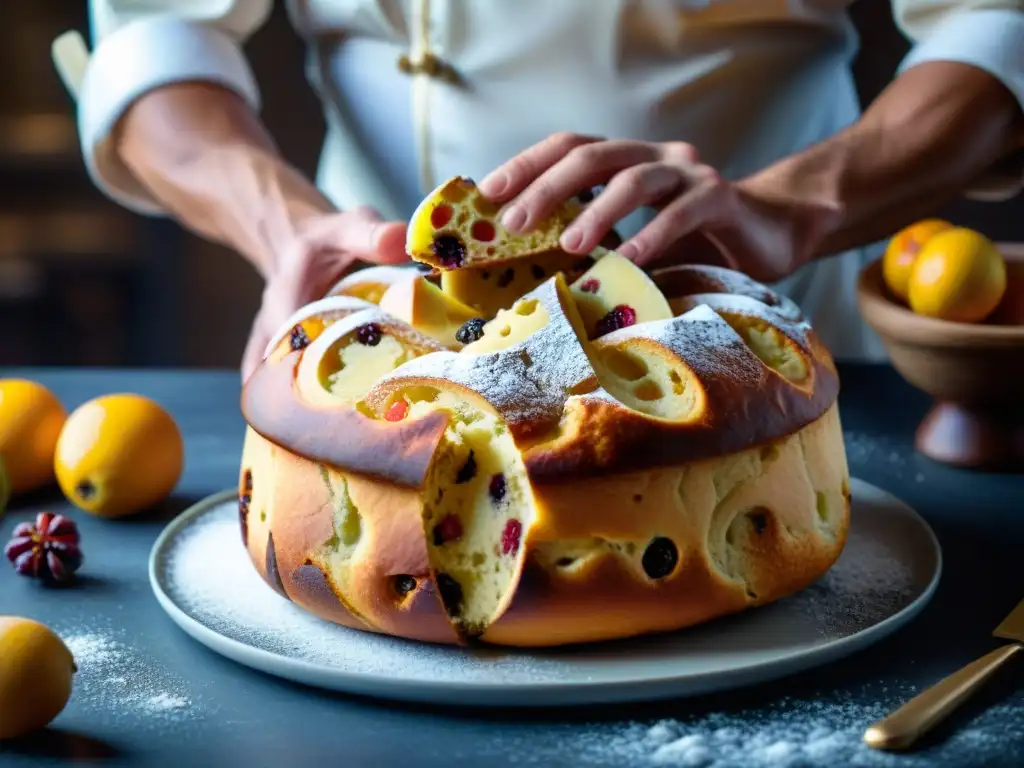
915, 718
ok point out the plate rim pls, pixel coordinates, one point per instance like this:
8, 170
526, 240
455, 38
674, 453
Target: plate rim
530, 694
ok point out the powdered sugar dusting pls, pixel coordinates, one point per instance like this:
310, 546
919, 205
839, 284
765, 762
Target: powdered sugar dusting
690, 279
120, 680
208, 574
528, 383
744, 305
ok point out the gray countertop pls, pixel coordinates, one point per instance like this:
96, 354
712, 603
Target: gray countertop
149, 694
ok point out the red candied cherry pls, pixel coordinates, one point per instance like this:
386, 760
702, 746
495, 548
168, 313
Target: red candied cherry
622, 316
449, 529
590, 285
397, 411
483, 231
47, 550
441, 215
511, 536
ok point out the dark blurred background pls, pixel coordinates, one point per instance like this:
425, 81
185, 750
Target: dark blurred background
83, 282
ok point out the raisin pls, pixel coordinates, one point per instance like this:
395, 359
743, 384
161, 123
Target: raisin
298, 339
537, 271
760, 522
590, 285
404, 584
497, 487
468, 470
660, 558
244, 499
506, 277
451, 593
247, 480
471, 330
511, 536
621, 317
449, 250
369, 334
449, 529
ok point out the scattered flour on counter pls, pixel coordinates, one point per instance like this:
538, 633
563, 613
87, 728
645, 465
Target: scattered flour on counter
881, 453
118, 679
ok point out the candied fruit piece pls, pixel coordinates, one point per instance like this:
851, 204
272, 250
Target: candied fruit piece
622, 316
449, 529
590, 285
441, 215
397, 411
511, 536
483, 231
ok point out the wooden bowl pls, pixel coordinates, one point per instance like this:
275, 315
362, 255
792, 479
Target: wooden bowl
975, 371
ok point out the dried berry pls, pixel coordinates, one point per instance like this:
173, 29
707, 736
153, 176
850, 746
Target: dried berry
449, 250
621, 317
369, 334
449, 529
483, 231
467, 471
441, 215
470, 331
511, 536
660, 558
451, 594
537, 271
506, 277
590, 285
47, 550
497, 487
759, 520
404, 584
397, 411
298, 338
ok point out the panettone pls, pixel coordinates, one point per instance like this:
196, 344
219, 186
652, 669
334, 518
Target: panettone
603, 455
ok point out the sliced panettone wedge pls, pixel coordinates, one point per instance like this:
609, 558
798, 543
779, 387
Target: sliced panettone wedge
500, 391
456, 227
683, 280
616, 293
370, 283
346, 359
426, 308
309, 321
493, 287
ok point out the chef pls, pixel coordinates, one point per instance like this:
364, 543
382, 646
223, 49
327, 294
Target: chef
723, 130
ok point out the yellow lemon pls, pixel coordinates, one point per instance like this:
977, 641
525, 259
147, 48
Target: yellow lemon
958, 275
118, 454
36, 673
5, 488
31, 418
902, 252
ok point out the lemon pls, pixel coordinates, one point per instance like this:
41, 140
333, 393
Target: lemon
31, 418
118, 454
902, 252
5, 488
36, 674
959, 275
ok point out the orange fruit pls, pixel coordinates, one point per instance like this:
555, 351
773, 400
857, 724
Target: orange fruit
118, 454
36, 673
31, 418
902, 251
959, 275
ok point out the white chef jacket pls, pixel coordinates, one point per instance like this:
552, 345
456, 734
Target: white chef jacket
745, 81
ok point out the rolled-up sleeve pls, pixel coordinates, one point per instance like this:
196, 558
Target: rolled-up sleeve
139, 46
988, 34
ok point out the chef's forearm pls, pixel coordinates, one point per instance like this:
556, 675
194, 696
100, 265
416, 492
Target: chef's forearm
205, 155
933, 131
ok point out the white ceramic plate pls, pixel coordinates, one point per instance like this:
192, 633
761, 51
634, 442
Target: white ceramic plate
887, 573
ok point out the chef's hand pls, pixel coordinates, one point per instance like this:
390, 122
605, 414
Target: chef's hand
702, 218
324, 250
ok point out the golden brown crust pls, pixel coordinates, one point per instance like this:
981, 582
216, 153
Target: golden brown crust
683, 280
342, 437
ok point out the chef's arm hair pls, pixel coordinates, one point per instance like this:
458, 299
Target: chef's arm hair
205, 155
951, 123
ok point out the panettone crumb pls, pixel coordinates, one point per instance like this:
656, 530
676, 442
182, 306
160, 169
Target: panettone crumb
477, 509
